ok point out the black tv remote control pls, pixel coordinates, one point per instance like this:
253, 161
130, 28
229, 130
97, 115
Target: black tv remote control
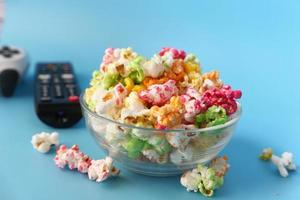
57, 95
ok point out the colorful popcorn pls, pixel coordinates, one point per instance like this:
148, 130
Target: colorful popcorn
205, 179
100, 170
73, 158
150, 99
283, 163
159, 94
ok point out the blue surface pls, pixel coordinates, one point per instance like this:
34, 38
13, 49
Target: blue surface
254, 44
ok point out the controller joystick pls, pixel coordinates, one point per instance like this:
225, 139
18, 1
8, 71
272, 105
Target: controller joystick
13, 64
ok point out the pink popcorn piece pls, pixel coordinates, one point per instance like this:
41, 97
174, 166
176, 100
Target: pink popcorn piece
120, 93
177, 54
196, 103
100, 170
107, 58
224, 97
73, 158
159, 94
193, 104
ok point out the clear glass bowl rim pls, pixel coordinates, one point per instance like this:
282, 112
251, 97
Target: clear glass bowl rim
234, 120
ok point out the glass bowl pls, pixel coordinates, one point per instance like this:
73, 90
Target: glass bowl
158, 152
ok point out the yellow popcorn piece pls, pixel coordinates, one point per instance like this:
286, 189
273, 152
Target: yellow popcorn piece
191, 67
195, 80
129, 84
138, 88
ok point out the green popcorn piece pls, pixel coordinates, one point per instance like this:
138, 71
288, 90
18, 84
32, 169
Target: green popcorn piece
147, 146
109, 80
204, 191
266, 154
160, 144
191, 58
209, 180
91, 105
200, 119
215, 112
133, 146
137, 72
96, 78
215, 115
140, 133
218, 121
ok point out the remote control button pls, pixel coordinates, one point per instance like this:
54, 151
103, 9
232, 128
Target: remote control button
45, 91
45, 99
52, 67
71, 89
56, 79
66, 68
58, 91
67, 76
44, 76
73, 98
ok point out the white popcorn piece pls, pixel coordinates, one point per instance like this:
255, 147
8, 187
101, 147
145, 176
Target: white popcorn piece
151, 155
178, 139
179, 156
220, 165
43, 141
208, 84
168, 58
191, 180
154, 67
100, 170
109, 102
114, 134
283, 163
134, 107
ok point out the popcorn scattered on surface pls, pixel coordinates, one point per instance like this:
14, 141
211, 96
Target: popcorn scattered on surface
73, 158
100, 170
206, 179
283, 163
43, 141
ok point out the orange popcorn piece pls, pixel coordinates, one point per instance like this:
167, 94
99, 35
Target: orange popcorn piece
213, 77
170, 114
176, 73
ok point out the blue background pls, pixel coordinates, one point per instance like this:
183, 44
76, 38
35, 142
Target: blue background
254, 44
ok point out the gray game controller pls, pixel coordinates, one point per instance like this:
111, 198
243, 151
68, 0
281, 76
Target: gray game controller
13, 64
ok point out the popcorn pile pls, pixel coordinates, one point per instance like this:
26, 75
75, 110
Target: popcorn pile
206, 179
126, 79
166, 92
